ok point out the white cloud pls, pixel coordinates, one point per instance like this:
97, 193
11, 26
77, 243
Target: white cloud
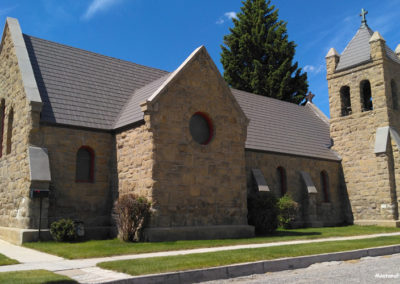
313, 69
309, 68
98, 6
230, 15
220, 21
226, 16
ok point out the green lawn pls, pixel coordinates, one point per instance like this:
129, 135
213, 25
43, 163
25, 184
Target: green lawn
6, 261
33, 277
103, 248
203, 260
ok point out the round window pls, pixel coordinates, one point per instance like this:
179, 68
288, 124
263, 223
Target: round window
201, 128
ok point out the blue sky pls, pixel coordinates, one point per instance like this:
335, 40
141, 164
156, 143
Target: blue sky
162, 33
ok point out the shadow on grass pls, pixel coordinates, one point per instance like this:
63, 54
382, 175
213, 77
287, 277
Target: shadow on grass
288, 234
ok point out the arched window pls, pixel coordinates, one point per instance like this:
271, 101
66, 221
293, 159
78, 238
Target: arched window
85, 164
10, 130
2, 116
325, 186
366, 96
395, 102
281, 172
345, 100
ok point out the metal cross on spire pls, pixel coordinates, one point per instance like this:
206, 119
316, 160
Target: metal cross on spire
362, 15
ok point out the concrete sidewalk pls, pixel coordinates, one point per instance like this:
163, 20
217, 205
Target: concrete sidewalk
85, 270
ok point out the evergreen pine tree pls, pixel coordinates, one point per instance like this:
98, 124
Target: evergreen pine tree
258, 56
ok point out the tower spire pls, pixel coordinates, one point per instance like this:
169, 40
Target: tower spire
363, 19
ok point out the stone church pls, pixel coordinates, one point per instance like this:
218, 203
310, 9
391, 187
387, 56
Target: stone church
80, 129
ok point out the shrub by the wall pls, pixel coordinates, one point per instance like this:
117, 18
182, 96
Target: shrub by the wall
288, 209
131, 213
263, 212
63, 230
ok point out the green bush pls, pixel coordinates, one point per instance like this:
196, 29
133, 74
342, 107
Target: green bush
288, 209
131, 213
263, 212
63, 230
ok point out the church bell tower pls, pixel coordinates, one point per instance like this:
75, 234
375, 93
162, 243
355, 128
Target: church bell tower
364, 104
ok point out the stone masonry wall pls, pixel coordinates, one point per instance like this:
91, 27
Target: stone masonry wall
366, 174
392, 72
134, 149
14, 166
85, 201
329, 213
198, 185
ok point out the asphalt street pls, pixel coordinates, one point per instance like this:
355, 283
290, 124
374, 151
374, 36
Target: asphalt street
383, 269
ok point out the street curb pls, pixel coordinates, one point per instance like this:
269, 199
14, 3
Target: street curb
259, 267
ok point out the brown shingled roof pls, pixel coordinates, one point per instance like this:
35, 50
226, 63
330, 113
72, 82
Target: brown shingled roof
81, 88
282, 127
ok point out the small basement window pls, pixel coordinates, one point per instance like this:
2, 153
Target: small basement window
345, 100
85, 164
366, 96
201, 128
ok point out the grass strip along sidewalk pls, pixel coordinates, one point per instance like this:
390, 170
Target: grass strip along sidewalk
206, 260
7, 261
33, 277
103, 248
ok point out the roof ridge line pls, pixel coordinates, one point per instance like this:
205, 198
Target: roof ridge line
318, 113
175, 73
130, 98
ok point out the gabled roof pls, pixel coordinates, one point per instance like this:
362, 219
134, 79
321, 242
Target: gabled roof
148, 94
175, 73
132, 112
358, 51
275, 126
85, 89
82, 88
282, 127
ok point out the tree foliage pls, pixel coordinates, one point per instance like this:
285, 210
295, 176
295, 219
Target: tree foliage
288, 211
263, 212
257, 56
